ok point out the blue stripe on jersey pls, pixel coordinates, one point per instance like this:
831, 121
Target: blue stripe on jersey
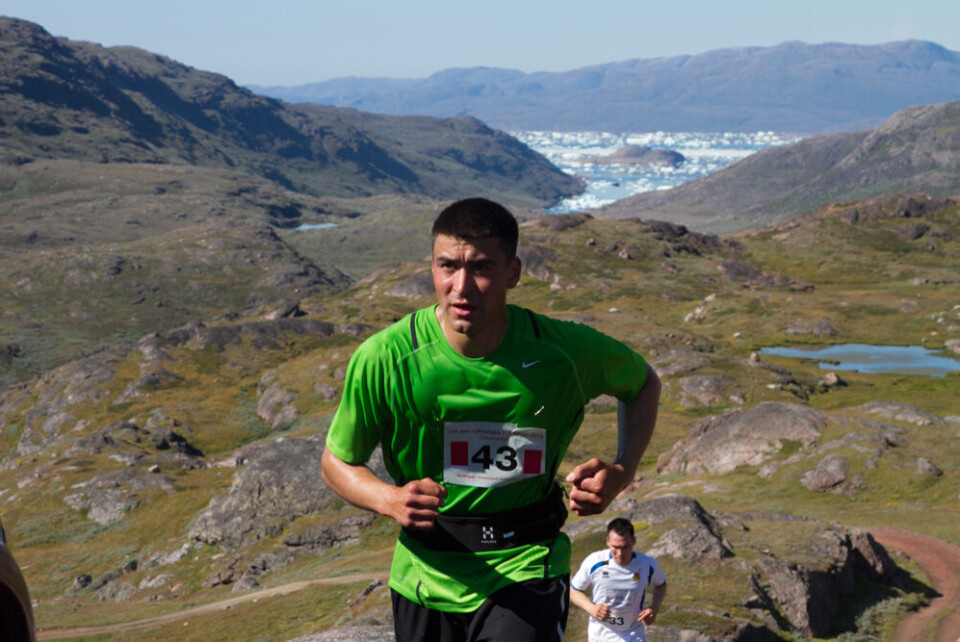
643, 597
598, 565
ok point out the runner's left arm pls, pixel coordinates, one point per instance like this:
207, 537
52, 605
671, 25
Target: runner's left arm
596, 483
649, 616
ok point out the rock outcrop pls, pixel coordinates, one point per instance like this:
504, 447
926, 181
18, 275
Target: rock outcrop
927, 467
344, 531
278, 482
679, 361
820, 328
682, 240
418, 286
721, 443
810, 598
755, 278
107, 498
706, 390
88, 379
275, 405
698, 538
829, 475
902, 412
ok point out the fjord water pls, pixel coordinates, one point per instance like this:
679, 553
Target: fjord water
872, 359
704, 153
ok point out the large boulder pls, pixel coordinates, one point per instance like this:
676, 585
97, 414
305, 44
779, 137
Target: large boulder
721, 443
279, 482
664, 508
698, 537
691, 541
275, 406
829, 475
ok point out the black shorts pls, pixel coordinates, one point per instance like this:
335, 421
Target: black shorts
531, 611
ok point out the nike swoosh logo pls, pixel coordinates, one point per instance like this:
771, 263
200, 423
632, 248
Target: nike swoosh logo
527, 365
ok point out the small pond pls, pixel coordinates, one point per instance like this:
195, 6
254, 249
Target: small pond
871, 359
314, 226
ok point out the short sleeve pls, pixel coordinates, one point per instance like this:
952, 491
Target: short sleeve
659, 578
581, 580
363, 413
605, 365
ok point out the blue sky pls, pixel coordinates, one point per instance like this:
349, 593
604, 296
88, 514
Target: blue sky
291, 42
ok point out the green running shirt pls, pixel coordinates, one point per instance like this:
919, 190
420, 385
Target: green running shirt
492, 430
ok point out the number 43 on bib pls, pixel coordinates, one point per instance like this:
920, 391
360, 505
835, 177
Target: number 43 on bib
488, 454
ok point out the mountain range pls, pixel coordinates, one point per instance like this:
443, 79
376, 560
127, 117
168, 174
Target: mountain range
77, 100
793, 87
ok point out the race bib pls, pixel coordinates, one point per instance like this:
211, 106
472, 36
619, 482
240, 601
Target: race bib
620, 619
486, 454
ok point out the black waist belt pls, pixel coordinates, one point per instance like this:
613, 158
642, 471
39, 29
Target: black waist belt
516, 527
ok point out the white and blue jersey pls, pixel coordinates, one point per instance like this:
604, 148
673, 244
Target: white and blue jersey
624, 588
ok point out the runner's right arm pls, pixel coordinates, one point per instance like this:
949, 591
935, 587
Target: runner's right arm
596, 611
414, 505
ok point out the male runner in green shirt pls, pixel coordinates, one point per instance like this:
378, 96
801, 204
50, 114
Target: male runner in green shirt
474, 403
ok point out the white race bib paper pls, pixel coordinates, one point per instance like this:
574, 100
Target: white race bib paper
486, 454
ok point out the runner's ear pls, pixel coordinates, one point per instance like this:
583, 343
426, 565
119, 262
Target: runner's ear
514, 269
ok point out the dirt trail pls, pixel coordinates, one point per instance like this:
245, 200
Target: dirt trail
940, 560
59, 634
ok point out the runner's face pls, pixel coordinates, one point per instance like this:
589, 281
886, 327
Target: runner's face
471, 279
621, 548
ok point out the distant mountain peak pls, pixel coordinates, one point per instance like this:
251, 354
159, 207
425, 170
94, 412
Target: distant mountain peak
791, 87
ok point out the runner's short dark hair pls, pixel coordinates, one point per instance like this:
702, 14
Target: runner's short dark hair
477, 218
621, 526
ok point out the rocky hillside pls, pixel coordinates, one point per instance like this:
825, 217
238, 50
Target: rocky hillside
181, 470
793, 87
77, 100
137, 194
915, 150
